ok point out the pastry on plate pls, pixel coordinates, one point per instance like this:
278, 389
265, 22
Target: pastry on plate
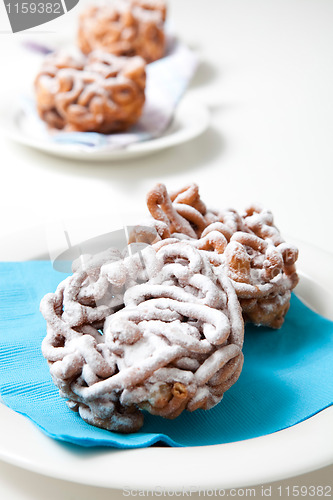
98, 93
160, 330
124, 27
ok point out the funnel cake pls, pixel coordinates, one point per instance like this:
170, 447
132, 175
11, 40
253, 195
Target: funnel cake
250, 248
124, 27
160, 331
99, 93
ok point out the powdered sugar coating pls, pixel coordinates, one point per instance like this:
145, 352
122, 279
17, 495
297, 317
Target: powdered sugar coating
174, 344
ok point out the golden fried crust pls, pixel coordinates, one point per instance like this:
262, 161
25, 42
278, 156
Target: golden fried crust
124, 27
248, 247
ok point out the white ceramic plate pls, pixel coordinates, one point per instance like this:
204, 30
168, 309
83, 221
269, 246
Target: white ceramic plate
299, 449
191, 119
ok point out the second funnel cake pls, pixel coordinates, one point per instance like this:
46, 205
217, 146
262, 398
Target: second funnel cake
249, 247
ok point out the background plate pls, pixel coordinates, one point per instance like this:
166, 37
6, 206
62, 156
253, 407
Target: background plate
191, 119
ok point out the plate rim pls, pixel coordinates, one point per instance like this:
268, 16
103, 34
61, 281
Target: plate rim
10, 108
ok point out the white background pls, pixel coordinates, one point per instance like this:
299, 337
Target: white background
266, 74
4, 22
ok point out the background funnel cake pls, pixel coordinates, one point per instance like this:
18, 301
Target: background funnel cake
124, 27
160, 331
99, 93
248, 247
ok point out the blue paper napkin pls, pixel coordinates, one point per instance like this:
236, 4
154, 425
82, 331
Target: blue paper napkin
287, 375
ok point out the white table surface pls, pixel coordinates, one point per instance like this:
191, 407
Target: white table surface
266, 73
